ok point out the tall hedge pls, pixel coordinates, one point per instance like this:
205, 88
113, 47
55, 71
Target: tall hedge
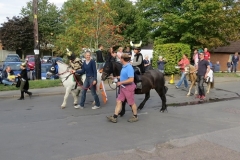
172, 52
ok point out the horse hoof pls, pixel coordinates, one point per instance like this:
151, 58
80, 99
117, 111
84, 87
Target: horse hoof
62, 107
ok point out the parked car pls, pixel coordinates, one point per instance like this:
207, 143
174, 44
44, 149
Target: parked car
31, 63
44, 69
45, 59
28, 56
12, 59
55, 59
13, 55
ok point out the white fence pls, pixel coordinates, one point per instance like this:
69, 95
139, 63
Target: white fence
4, 53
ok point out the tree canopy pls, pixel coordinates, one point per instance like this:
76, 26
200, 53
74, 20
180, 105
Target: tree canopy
17, 33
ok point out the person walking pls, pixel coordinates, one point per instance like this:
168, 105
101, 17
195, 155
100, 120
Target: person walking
8, 77
24, 85
99, 55
182, 64
207, 54
195, 57
235, 60
127, 88
202, 72
88, 68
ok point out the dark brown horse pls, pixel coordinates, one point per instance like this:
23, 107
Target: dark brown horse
151, 79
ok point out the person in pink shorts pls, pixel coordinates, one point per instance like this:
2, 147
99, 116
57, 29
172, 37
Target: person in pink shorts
127, 87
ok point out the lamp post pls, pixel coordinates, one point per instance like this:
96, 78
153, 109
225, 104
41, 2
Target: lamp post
51, 42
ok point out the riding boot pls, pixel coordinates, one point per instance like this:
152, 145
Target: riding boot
22, 96
29, 93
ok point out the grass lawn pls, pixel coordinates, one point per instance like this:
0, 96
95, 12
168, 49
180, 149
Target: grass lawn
34, 84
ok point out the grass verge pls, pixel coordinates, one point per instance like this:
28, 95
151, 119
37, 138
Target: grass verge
34, 84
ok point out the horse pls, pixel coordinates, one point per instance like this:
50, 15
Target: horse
189, 69
69, 81
151, 79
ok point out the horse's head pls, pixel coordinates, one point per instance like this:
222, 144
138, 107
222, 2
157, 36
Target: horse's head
107, 70
189, 69
53, 70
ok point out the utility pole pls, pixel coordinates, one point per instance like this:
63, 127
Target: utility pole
36, 42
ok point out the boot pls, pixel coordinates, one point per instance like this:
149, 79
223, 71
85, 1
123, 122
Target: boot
22, 96
29, 93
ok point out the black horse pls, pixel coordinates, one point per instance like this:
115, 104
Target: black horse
151, 79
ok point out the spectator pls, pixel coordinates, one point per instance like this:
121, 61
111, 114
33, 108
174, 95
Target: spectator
195, 57
216, 67
88, 68
161, 62
146, 62
128, 51
119, 53
184, 61
235, 60
8, 77
99, 57
113, 57
229, 65
206, 54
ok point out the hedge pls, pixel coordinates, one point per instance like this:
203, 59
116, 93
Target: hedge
173, 53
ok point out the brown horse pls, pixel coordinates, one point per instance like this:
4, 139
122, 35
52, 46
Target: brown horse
190, 70
151, 79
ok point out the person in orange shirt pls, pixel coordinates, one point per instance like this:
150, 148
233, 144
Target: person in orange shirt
184, 61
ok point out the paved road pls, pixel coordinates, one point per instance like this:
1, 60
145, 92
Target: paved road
36, 129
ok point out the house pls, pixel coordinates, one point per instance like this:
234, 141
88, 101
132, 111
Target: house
223, 54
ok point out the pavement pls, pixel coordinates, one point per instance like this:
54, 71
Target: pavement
173, 95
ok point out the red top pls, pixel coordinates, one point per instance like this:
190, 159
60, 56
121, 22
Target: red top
206, 56
183, 63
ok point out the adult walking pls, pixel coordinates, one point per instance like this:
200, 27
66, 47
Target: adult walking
127, 88
202, 72
184, 61
235, 60
24, 85
88, 68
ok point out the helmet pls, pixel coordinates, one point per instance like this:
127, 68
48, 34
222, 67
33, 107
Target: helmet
71, 55
24, 64
136, 46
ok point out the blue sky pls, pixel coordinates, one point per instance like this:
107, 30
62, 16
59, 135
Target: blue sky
10, 8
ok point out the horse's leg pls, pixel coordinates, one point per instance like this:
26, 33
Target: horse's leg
74, 94
162, 93
190, 88
208, 87
68, 90
123, 109
147, 96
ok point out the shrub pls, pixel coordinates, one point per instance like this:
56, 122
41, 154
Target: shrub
173, 53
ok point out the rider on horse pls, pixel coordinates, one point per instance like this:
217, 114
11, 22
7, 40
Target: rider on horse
138, 64
75, 63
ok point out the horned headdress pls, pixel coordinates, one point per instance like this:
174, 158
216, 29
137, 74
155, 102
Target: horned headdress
136, 46
70, 54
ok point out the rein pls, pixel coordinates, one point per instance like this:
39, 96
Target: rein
75, 78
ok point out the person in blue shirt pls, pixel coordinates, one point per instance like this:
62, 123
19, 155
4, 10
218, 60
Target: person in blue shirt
88, 68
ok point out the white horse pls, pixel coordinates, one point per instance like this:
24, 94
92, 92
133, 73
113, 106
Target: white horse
68, 81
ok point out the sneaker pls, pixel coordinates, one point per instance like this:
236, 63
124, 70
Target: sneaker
133, 119
96, 107
177, 87
202, 97
198, 96
112, 119
78, 107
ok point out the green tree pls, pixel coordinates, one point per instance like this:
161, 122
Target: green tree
87, 24
49, 24
207, 23
130, 19
17, 34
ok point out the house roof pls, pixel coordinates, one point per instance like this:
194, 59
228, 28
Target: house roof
232, 47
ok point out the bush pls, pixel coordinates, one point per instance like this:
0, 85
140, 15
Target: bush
173, 53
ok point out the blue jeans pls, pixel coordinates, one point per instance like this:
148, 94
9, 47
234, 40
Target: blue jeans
7, 82
88, 83
234, 67
182, 79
